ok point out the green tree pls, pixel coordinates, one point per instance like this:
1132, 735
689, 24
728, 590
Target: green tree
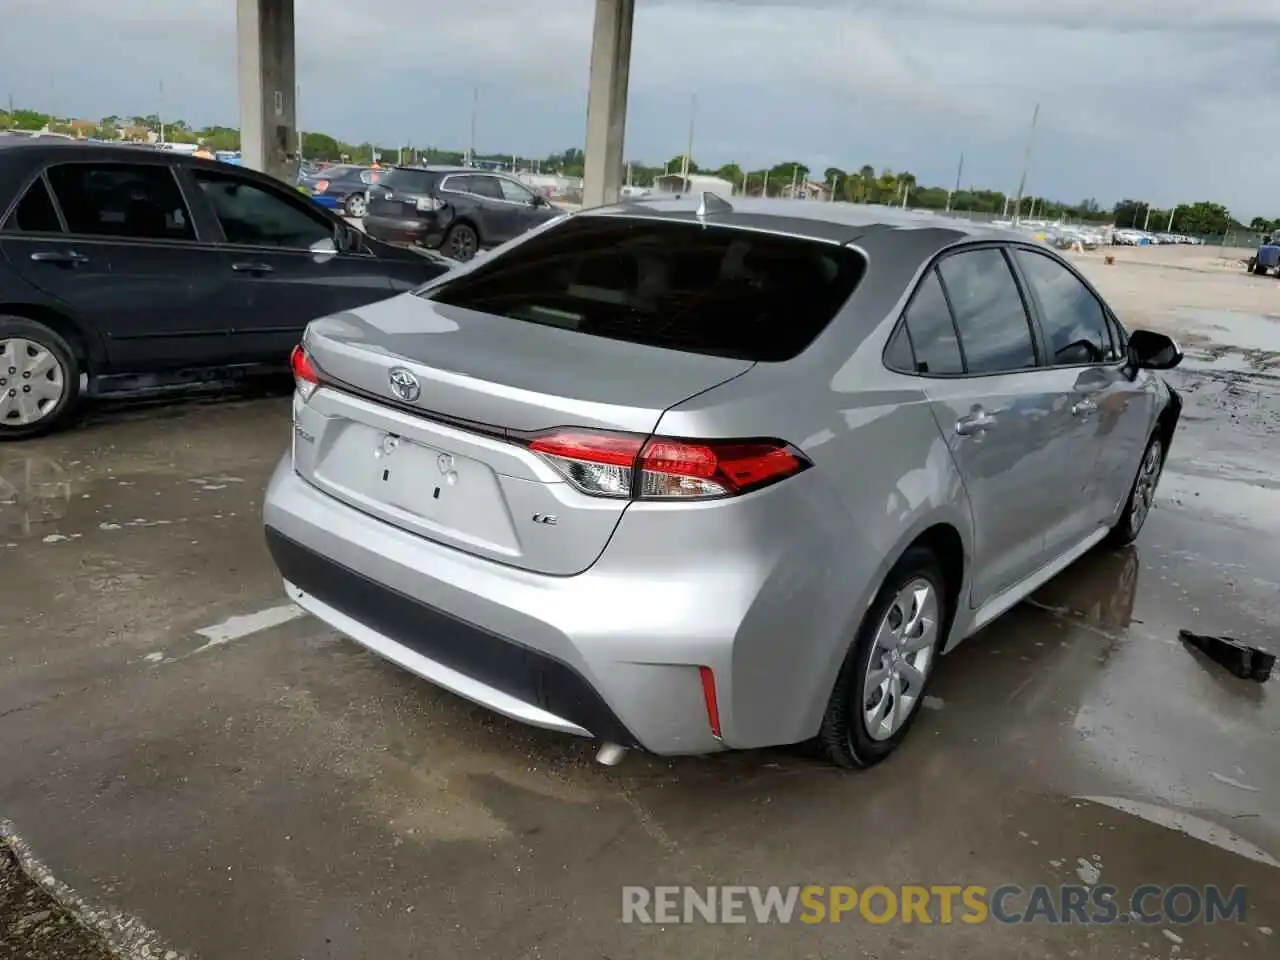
731, 172
221, 138
676, 164
1202, 217
1127, 214
320, 146
885, 188
28, 120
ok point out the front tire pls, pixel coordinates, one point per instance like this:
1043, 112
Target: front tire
888, 668
355, 206
1142, 495
39, 379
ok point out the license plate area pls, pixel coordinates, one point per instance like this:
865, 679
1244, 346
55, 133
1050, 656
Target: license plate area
431, 491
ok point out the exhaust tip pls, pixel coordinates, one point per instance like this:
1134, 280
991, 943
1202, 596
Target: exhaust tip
610, 754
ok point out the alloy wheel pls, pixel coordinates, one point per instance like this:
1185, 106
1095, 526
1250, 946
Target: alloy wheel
1144, 488
462, 245
32, 382
900, 660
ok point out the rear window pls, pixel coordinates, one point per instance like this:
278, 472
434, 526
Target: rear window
682, 286
410, 181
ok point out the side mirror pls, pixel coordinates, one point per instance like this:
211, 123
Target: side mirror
538, 201
1149, 350
326, 249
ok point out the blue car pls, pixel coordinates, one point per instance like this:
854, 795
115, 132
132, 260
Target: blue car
343, 188
1267, 257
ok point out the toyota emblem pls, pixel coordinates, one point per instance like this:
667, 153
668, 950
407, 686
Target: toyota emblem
404, 384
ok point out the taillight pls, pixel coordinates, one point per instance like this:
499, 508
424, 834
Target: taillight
427, 204
305, 377
663, 468
320, 186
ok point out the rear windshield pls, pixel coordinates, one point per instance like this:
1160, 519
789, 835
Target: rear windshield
683, 286
410, 181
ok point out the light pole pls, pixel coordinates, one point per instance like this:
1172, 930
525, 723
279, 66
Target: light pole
951, 193
688, 152
475, 103
1026, 164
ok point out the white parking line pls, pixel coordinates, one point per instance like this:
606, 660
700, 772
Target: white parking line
239, 627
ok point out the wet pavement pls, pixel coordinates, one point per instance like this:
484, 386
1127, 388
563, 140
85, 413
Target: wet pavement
177, 746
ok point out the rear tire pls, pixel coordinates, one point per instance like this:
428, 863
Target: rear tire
888, 644
39, 379
1142, 495
460, 243
1258, 268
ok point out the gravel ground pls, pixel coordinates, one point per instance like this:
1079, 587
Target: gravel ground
34, 926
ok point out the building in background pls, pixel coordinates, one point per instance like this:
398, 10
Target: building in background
674, 183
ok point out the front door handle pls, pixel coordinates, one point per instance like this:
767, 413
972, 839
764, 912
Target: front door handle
252, 267
59, 256
1084, 408
975, 424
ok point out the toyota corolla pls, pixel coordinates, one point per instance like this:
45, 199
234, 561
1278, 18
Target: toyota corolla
686, 476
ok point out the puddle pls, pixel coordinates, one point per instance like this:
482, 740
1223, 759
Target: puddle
1241, 331
33, 491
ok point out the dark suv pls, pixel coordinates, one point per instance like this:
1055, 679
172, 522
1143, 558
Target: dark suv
456, 209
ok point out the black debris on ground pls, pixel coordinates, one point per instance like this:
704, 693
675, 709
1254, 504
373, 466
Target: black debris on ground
34, 926
1246, 662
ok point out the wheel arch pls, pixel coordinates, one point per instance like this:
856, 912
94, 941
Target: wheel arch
88, 349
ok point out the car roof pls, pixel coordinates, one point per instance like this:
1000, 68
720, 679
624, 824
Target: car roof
444, 168
24, 153
838, 222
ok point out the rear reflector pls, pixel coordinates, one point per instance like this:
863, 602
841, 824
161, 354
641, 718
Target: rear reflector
662, 468
709, 698
305, 377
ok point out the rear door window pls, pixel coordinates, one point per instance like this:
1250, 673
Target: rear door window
35, 213
995, 331
926, 342
682, 286
131, 201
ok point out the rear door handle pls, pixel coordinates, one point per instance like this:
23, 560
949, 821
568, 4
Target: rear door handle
975, 424
59, 256
1084, 408
252, 267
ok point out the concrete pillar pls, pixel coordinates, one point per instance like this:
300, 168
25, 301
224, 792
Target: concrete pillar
268, 118
607, 101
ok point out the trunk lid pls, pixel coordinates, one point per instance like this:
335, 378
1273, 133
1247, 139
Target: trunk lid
400, 190
443, 459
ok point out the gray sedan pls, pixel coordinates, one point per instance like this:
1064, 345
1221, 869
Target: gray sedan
686, 476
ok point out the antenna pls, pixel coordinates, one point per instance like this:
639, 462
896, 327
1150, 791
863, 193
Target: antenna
711, 204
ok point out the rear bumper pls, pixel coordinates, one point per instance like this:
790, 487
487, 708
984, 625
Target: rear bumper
574, 654
403, 230
513, 679
329, 202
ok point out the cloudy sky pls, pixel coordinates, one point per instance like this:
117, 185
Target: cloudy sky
1161, 100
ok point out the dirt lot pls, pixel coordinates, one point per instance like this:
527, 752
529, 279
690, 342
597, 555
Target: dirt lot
202, 772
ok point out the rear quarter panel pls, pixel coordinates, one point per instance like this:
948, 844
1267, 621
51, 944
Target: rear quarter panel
882, 475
